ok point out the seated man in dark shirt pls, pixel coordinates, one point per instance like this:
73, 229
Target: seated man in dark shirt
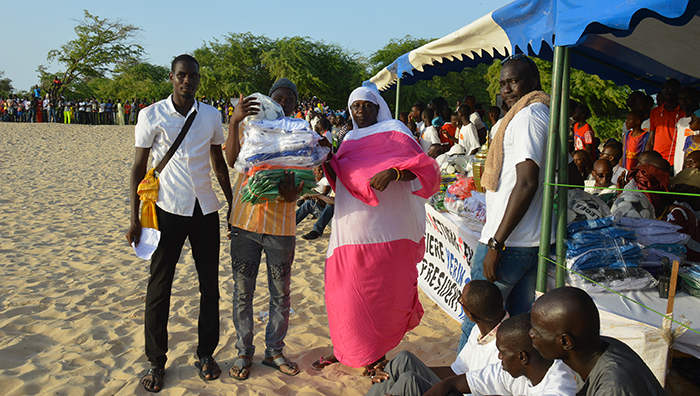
566, 325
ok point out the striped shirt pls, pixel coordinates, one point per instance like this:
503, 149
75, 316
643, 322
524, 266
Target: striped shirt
272, 218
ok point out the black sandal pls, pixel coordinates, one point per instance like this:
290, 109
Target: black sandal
213, 368
157, 373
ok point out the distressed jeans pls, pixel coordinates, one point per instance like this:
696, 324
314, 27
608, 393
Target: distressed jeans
518, 271
246, 252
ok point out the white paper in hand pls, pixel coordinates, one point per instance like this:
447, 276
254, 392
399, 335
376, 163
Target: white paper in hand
147, 244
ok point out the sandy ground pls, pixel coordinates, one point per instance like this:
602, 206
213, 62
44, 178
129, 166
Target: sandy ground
71, 307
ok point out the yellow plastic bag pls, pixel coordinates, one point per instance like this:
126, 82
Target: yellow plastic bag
148, 193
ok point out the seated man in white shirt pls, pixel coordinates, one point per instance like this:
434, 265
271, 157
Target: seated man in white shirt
522, 371
405, 374
321, 205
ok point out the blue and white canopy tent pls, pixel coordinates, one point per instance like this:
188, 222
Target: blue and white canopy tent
640, 43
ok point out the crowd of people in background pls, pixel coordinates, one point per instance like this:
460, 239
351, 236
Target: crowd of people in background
84, 111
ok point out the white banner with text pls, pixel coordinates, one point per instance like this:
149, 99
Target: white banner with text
446, 265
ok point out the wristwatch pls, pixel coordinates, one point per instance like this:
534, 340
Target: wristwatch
495, 245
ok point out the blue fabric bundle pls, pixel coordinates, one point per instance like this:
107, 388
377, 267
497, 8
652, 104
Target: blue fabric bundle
599, 244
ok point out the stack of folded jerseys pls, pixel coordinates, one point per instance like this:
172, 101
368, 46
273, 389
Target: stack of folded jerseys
599, 253
658, 238
271, 149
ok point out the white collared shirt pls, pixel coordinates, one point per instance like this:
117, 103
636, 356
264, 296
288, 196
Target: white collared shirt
186, 176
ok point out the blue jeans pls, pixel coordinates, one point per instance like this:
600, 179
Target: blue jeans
323, 214
246, 251
518, 271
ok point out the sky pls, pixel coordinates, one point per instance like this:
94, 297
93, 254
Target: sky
175, 27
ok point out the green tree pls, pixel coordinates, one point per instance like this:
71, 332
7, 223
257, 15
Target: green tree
324, 70
456, 85
101, 45
242, 63
140, 80
5, 85
409, 94
232, 66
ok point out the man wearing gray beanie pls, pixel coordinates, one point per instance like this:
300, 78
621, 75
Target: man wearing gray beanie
256, 228
284, 82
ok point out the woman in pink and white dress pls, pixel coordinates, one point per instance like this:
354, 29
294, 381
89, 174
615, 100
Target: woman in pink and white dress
381, 179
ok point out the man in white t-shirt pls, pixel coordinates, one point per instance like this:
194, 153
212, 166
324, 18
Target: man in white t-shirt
417, 116
475, 118
522, 371
430, 135
468, 135
405, 374
689, 101
508, 248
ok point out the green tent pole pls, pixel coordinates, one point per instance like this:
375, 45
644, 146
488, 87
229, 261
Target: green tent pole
398, 86
562, 193
550, 164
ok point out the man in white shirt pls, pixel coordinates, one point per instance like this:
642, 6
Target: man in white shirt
475, 118
405, 374
81, 112
417, 116
689, 101
508, 247
45, 106
103, 119
468, 134
522, 371
186, 208
430, 135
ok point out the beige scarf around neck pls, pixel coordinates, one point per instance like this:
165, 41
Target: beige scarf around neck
494, 160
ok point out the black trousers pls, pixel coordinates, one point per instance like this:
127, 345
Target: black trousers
203, 232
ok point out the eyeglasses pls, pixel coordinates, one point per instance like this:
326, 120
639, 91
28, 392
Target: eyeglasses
521, 56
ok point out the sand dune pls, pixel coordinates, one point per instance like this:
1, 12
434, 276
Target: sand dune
71, 307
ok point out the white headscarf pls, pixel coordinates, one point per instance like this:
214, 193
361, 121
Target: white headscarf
370, 95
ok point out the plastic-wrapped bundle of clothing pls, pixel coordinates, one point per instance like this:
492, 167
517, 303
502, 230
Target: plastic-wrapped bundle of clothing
601, 253
690, 279
283, 142
659, 239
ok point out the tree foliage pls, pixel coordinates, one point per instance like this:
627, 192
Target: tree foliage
317, 68
244, 64
5, 86
409, 94
100, 46
141, 80
232, 66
